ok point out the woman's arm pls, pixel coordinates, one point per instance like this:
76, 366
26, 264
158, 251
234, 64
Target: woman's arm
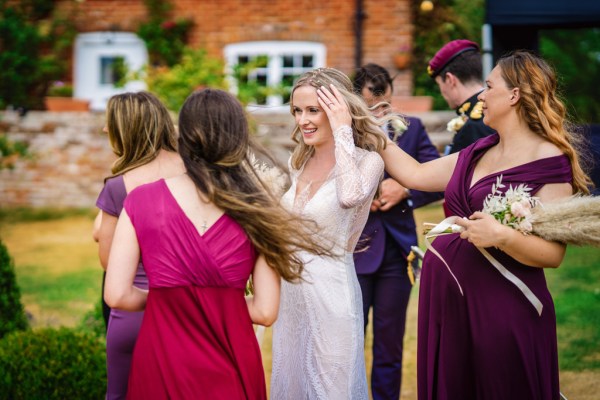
432, 176
484, 231
263, 306
119, 291
96, 226
105, 234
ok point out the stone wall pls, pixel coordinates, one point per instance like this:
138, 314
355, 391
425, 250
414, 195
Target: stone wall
71, 156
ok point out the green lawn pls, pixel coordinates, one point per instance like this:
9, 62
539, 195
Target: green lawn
59, 274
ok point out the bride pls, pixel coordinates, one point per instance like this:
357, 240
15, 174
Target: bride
318, 339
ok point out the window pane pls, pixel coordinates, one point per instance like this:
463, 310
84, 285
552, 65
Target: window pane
288, 80
307, 61
261, 61
261, 79
243, 59
288, 61
112, 69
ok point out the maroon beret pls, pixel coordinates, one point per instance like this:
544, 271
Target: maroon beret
448, 53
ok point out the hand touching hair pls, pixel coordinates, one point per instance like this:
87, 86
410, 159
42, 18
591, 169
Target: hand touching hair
365, 127
214, 142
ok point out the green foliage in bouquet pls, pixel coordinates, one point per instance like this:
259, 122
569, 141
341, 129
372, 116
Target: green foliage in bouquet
52, 364
195, 70
12, 314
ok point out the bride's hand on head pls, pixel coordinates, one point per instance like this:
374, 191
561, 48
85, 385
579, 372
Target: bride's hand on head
335, 106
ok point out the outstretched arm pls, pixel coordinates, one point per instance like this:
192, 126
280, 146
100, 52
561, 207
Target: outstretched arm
432, 176
263, 305
119, 291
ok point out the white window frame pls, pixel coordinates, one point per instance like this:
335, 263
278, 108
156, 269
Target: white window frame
274, 50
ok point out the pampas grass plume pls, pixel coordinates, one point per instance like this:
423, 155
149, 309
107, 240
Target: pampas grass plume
574, 221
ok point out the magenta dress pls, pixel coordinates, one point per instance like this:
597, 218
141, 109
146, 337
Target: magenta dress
489, 343
123, 326
196, 339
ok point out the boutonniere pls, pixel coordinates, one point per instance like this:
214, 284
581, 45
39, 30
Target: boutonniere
398, 126
455, 124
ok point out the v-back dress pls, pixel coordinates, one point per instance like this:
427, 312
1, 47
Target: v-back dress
318, 338
196, 339
123, 326
490, 343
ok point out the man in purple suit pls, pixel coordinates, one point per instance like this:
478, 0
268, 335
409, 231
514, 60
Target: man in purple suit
388, 235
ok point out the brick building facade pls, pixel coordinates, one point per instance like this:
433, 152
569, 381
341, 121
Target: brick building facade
70, 154
386, 26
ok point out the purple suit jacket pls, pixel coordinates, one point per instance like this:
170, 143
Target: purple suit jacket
399, 221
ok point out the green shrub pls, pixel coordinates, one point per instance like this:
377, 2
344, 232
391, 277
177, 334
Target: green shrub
52, 364
93, 321
195, 70
12, 314
165, 37
34, 51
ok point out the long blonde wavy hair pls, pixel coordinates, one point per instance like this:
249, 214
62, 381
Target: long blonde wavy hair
139, 126
366, 128
214, 143
541, 108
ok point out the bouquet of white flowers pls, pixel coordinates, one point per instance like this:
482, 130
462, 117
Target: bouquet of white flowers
571, 221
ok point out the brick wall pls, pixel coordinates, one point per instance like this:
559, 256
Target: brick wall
386, 28
71, 155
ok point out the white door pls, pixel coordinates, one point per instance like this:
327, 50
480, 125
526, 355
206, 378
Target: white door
95, 56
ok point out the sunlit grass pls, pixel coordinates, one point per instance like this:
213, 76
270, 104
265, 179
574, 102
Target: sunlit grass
59, 274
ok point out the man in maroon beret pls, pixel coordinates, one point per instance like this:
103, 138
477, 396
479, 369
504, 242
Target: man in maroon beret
457, 70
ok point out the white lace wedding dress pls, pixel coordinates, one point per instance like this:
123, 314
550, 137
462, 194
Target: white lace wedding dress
318, 339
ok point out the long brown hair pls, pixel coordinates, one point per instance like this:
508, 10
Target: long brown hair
365, 127
139, 126
214, 140
542, 109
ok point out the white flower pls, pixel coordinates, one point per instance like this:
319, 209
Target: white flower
455, 124
519, 210
511, 208
399, 126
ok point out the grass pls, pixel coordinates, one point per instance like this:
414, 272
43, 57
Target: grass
59, 274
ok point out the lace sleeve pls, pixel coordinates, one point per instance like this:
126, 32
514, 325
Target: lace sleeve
356, 174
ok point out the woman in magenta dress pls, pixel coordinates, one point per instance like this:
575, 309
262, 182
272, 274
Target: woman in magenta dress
142, 136
200, 236
489, 342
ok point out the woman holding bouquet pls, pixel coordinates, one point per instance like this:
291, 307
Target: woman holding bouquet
479, 335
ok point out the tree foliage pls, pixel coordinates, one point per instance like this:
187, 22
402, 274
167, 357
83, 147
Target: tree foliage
448, 20
34, 51
575, 54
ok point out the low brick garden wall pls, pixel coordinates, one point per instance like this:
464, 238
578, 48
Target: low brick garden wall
71, 156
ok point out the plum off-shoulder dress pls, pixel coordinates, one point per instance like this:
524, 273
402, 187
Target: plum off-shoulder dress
490, 343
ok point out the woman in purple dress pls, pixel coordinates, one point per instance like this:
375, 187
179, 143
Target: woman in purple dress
142, 136
201, 235
484, 339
